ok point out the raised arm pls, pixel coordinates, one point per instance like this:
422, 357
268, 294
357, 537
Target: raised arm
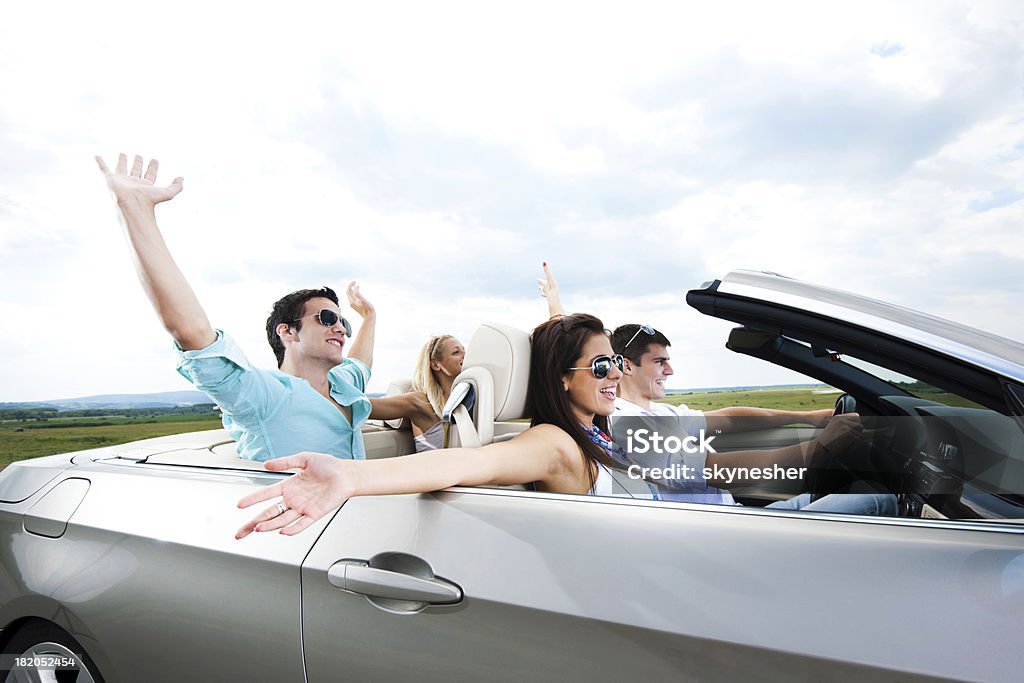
173, 299
549, 290
362, 345
545, 454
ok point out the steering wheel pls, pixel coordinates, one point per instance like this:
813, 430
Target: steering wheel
845, 404
826, 474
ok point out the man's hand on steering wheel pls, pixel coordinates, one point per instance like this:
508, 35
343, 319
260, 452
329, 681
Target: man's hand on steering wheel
841, 433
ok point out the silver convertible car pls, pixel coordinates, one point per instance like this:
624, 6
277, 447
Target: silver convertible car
120, 563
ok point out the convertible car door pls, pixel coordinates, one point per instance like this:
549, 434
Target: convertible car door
144, 568
583, 588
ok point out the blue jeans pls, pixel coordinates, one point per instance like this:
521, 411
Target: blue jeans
878, 504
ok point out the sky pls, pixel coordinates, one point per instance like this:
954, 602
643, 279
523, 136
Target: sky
438, 152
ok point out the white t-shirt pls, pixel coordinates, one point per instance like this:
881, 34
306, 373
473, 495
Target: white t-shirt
694, 488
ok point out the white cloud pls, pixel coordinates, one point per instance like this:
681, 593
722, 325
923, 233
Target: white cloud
439, 152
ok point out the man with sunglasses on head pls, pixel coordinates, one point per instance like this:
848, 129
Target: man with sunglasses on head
646, 367
314, 401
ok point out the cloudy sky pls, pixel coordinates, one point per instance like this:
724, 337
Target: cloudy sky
438, 152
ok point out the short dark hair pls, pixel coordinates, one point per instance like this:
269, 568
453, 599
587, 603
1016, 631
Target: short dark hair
288, 310
640, 345
555, 346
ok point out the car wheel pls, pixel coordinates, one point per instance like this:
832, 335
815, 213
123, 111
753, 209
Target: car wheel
42, 651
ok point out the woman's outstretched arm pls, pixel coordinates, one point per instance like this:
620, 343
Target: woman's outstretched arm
544, 454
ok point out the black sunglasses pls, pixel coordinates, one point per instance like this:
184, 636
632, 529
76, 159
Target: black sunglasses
602, 365
328, 318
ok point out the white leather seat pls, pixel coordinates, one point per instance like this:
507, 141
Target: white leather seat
497, 366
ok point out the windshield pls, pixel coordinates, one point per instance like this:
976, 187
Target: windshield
914, 387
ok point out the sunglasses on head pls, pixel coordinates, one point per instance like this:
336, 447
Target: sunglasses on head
646, 329
328, 318
602, 365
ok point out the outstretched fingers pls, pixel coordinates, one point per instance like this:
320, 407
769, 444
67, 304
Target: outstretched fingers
137, 167
151, 170
265, 493
176, 185
290, 522
300, 525
102, 165
254, 523
122, 164
278, 520
287, 462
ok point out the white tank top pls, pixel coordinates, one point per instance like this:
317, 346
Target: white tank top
430, 440
604, 484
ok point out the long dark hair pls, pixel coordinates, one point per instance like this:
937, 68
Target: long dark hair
555, 347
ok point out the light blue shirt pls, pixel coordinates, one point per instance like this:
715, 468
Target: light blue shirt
271, 413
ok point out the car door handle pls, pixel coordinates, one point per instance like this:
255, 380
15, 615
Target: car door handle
357, 576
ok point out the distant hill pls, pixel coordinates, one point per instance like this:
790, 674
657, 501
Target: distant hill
175, 399
752, 387
166, 399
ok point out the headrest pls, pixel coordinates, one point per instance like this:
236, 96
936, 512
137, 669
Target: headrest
504, 352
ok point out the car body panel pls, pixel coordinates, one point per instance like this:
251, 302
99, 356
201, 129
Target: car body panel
149, 562
647, 589
131, 549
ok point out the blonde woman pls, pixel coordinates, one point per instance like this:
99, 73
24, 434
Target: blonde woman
439, 363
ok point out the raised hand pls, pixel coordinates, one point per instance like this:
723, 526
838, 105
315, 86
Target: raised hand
133, 186
550, 291
357, 302
319, 487
548, 285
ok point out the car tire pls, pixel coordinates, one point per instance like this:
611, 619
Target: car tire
46, 644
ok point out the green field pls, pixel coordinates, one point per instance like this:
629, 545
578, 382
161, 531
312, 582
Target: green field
20, 439
787, 398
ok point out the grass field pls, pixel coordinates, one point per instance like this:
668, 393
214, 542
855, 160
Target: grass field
65, 435
78, 434
788, 398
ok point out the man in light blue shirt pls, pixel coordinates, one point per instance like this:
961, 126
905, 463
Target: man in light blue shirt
315, 401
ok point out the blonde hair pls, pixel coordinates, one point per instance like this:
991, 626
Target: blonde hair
424, 378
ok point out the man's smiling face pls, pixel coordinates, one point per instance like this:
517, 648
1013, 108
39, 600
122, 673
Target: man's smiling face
648, 376
316, 341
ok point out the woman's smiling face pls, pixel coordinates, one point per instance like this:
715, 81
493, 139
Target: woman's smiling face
588, 395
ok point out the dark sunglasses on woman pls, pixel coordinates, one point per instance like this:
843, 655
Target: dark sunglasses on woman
602, 365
